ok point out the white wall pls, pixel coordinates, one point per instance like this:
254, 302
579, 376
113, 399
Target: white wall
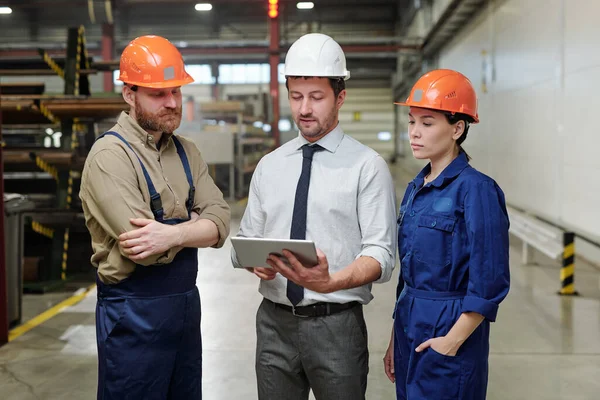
538, 136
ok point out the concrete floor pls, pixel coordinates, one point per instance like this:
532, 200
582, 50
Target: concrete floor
543, 346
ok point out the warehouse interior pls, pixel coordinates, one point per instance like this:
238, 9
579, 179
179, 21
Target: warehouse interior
534, 64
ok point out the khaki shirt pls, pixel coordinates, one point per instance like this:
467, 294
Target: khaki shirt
113, 190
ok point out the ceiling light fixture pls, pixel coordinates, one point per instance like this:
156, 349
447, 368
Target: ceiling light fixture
305, 5
203, 7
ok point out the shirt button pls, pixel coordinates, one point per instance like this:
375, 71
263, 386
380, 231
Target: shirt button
433, 223
177, 203
150, 138
412, 213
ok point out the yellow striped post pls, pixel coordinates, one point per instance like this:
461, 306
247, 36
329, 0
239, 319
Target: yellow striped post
567, 271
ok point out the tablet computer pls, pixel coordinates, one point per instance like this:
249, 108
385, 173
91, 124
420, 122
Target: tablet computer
253, 252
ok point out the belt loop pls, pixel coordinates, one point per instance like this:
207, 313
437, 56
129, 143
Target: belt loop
328, 309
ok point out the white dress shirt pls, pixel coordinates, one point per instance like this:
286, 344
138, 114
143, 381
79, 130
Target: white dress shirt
351, 210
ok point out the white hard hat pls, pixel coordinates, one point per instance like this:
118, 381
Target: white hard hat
316, 54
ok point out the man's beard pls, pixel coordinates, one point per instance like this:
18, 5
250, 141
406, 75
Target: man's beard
165, 122
320, 127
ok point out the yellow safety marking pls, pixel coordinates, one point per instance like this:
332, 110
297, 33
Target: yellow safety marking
46, 315
63, 274
569, 250
85, 52
42, 230
46, 113
53, 65
569, 289
44, 166
567, 271
65, 255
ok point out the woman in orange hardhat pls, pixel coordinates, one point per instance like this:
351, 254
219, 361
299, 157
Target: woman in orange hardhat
453, 247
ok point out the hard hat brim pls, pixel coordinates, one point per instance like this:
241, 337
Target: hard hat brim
345, 77
162, 85
475, 117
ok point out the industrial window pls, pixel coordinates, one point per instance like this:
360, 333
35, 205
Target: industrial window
228, 74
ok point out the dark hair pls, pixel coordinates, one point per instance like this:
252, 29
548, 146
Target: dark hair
337, 84
452, 120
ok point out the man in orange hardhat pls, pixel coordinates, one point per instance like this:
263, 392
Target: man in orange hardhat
149, 204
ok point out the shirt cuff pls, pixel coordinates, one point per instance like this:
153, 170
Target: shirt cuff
383, 258
482, 306
223, 232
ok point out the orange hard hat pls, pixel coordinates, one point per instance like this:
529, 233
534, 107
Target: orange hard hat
444, 90
154, 62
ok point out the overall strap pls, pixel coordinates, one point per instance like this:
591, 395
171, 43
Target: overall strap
188, 173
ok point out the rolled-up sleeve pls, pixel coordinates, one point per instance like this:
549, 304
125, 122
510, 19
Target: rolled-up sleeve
253, 220
209, 202
487, 231
377, 216
113, 197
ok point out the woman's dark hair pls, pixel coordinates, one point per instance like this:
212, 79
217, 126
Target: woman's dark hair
452, 120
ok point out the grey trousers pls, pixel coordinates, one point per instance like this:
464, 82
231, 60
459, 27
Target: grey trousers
294, 354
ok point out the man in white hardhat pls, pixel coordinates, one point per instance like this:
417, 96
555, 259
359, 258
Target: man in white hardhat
329, 188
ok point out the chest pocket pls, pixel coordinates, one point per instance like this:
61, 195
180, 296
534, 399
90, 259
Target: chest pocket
433, 240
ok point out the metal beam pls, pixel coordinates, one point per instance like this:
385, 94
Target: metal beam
108, 46
274, 57
3, 274
455, 17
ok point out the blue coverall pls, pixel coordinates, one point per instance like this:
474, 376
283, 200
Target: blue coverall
453, 246
148, 325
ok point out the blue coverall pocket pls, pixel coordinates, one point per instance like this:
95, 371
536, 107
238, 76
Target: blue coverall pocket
110, 315
433, 239
442, 374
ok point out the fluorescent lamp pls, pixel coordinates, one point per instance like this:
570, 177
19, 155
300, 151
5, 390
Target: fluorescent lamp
384, 136
5, 10
203, 7
305, 5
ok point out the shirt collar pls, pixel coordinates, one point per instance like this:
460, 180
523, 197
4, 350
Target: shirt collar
449, 173
133, 130
329, 142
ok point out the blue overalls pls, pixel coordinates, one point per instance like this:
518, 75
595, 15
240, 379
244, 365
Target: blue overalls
453, 247
148, 325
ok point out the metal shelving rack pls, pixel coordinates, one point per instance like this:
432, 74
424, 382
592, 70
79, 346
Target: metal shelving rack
250, 143
27, 112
